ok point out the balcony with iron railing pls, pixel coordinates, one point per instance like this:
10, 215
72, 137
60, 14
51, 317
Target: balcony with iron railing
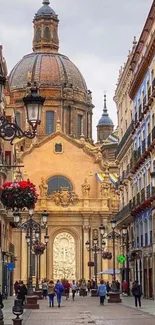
123, 213
142, 195
125, 138
143, 146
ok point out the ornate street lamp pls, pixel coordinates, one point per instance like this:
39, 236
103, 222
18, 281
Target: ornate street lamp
125, 234
32, 227
96, 249
33, 103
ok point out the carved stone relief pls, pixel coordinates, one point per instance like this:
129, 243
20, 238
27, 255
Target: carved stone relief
64, 257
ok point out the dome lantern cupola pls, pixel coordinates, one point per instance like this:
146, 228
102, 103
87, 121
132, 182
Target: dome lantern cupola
46, 29
105, 125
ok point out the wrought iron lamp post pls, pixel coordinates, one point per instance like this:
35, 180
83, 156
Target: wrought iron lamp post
125, 234
33, 104
113, 235
31, 227
96, 249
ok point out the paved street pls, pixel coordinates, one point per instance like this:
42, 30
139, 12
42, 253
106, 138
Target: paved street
86, 311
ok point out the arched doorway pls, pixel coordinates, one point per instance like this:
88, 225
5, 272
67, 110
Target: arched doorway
64, 257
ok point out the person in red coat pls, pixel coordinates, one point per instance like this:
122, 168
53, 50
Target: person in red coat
67, 289
125, 287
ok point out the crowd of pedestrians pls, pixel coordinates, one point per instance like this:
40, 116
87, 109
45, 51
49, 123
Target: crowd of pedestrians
51, 290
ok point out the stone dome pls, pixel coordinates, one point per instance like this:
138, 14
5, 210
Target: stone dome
45, 10
47, 69
105, 120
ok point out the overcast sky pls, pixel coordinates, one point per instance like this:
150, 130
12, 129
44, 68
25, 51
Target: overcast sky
95, 34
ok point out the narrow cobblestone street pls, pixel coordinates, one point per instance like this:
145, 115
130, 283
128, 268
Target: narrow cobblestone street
88, 311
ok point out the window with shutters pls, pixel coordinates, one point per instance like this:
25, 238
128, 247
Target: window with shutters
56, 182
49, 122
79, 125
17, 117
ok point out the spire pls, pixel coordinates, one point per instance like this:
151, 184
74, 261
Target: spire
105, 111
46, 2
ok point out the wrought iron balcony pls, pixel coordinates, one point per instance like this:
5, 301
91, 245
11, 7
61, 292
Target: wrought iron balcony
140, 111
148, 191
125, 138
124, 213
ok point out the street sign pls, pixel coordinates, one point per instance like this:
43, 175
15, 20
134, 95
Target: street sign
10, 266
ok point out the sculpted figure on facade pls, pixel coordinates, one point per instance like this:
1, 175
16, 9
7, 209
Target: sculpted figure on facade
98, 157
85, 189
105, 186
43, 188
114, 197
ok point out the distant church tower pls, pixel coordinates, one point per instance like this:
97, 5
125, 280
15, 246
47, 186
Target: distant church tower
105, 125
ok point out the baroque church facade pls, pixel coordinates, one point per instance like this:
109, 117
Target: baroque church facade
75, 181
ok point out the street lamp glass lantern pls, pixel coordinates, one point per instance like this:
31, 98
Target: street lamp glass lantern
113, 223
124, 230
37, 234
33, 103
44, 217
95, 240
103, 244
27, 237
102, 229
46, 238
87, 244
16, 216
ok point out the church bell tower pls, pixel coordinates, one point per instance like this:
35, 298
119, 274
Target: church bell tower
46, 29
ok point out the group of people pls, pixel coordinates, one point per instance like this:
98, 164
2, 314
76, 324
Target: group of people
51, 290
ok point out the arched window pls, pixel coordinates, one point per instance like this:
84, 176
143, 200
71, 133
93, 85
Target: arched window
56, 182
18, 119
38, 34
47, 34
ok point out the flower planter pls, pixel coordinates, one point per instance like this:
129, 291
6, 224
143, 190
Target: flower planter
18, 195
39, 248
91, 264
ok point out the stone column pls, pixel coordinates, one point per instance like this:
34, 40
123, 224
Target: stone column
24, 259
86, 253
43, 261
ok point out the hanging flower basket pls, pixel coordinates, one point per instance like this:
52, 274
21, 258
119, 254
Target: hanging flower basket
107, 256
39, 248
91, 264
18, 195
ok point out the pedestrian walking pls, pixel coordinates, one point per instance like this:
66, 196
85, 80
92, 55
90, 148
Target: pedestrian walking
102, 291
51, 293
83, 288
73, 286
67, 289
44, 289
16, 284
125, 287
59, 288
118, 285
137, 293
21, 291
108, 288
